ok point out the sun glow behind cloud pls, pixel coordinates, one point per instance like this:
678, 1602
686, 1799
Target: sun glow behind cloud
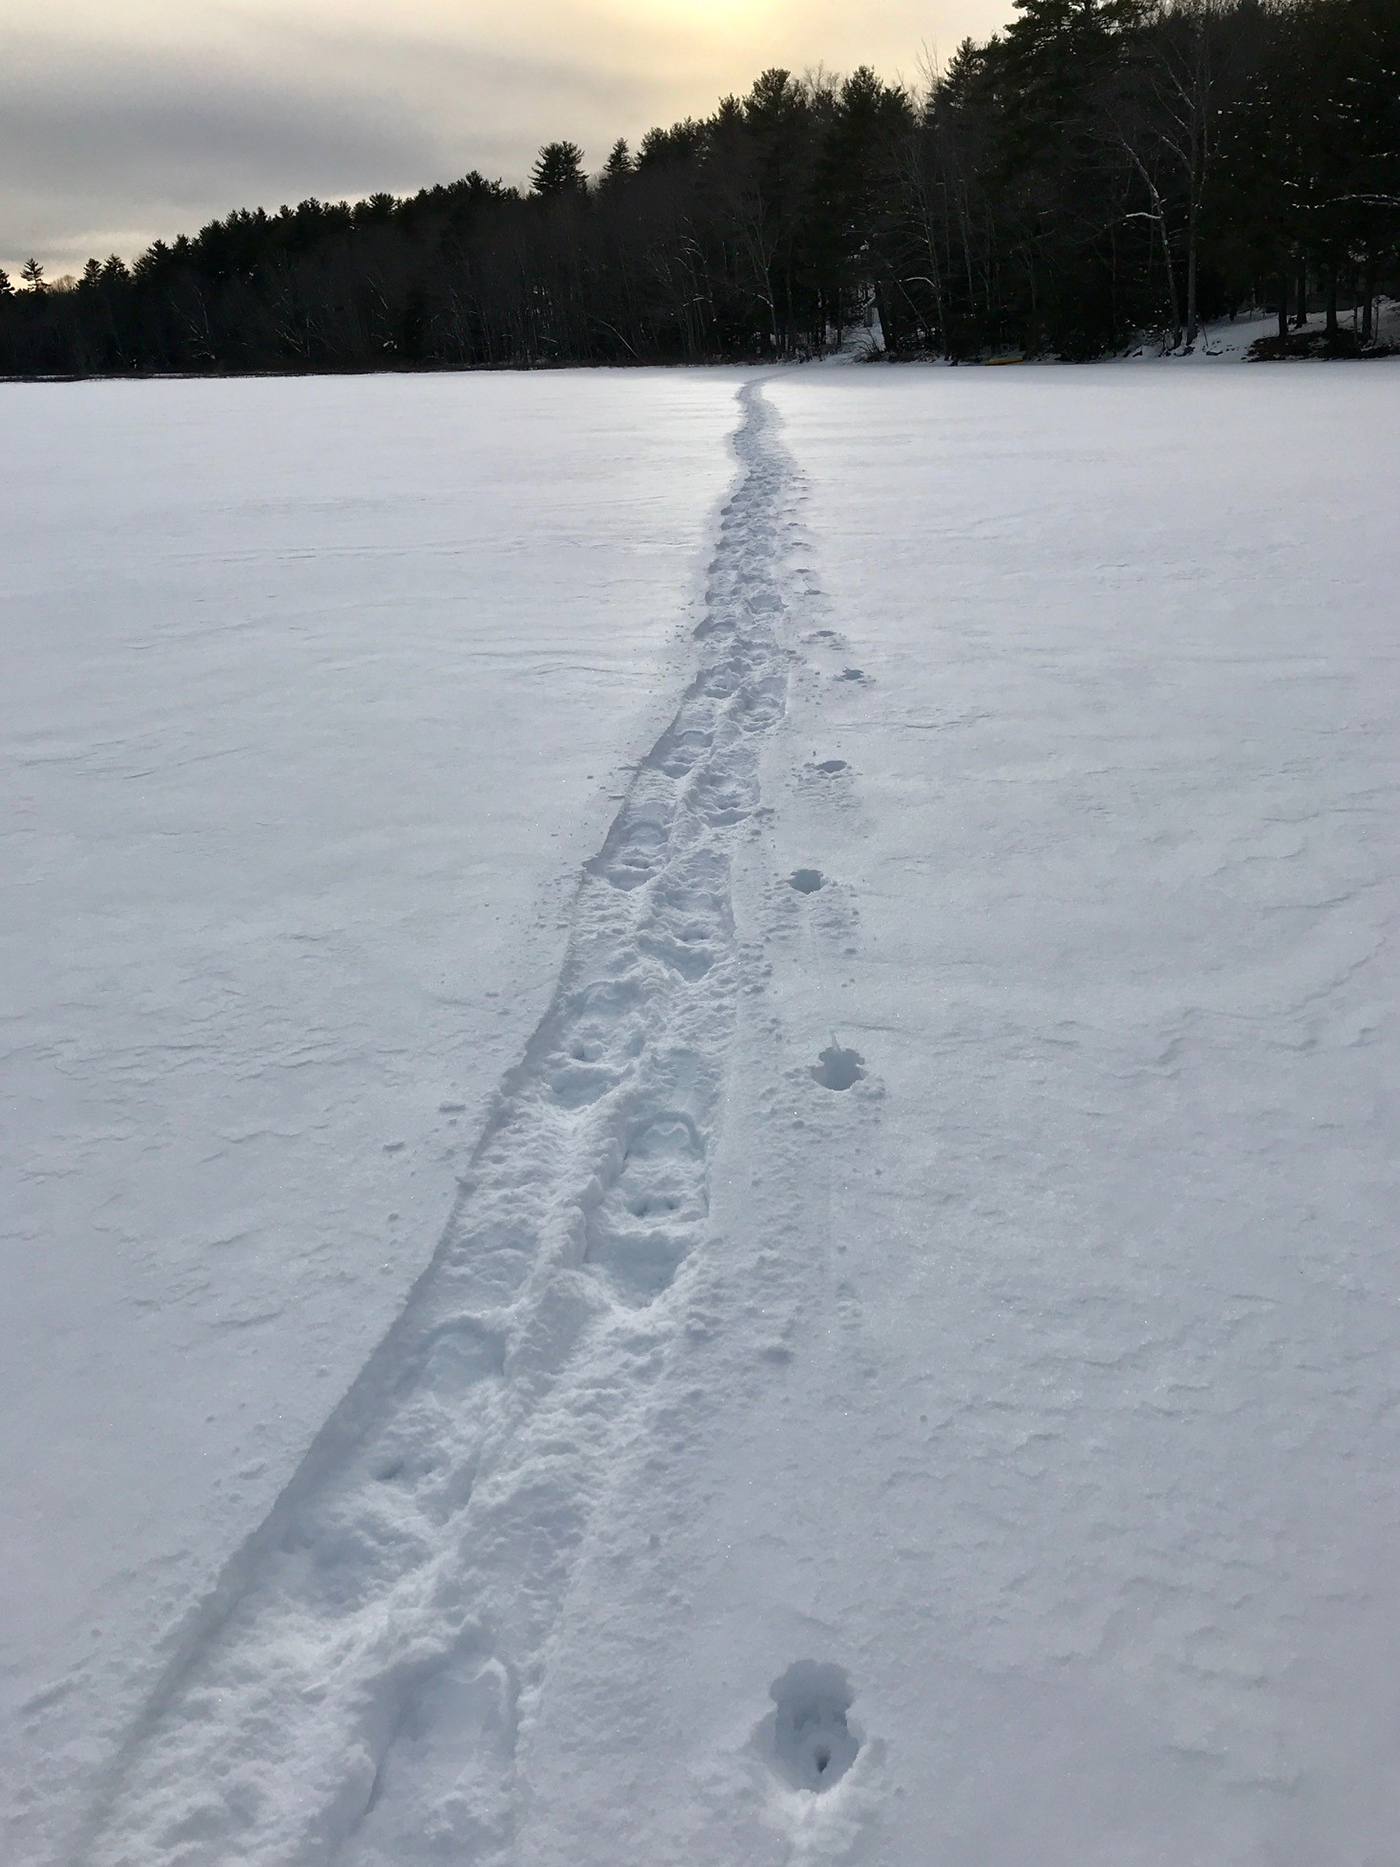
120, 124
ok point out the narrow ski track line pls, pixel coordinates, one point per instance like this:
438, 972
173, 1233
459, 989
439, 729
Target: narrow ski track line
353, 1691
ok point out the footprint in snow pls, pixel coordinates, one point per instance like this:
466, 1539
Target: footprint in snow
808, 1737
806, 881
837, 1068
830, 766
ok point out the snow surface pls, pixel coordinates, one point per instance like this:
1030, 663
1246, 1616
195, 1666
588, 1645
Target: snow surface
1228, 340
911, 1373
317, 694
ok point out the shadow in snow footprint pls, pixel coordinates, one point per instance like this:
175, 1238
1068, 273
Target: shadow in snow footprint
830, 766
838, 1068
806, 881
809, 1741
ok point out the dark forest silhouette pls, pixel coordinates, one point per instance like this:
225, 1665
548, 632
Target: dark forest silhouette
1101, 171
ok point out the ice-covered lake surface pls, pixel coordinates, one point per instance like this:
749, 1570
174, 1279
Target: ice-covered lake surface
699, 1120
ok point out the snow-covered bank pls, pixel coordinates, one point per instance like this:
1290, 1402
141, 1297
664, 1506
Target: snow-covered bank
316, 695
911, 1376
1230, 340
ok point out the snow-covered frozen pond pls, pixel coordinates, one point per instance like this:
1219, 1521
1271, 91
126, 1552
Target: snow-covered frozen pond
910, 1374
315, 696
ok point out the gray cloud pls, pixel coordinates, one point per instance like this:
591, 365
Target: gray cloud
107, 150
105, 145
94, 151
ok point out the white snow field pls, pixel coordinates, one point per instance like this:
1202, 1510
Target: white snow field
316, 693
910, 1373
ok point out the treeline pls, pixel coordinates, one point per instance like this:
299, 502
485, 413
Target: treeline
1101, 171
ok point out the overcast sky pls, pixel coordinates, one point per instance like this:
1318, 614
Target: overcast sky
120, 122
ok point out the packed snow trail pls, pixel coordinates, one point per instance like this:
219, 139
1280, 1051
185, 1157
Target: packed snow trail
407, 1583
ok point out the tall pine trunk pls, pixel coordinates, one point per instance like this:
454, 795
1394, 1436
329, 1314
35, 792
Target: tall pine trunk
1300, 316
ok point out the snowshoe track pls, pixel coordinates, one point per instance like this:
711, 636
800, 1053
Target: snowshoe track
370, 1654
